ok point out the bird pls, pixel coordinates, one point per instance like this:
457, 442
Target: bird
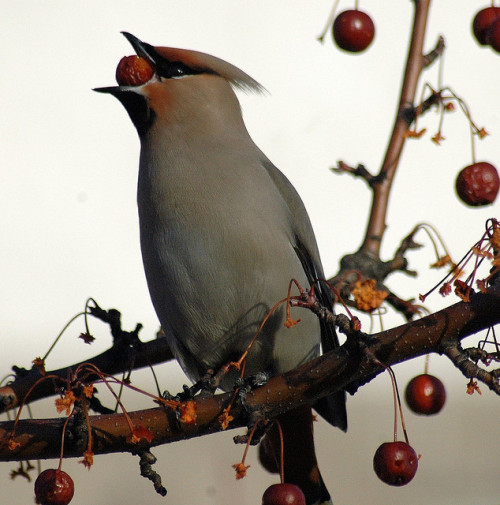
222, 233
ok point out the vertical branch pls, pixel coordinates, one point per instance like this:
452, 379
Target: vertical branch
382, 187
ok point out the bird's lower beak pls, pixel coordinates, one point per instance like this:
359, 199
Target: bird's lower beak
112, 90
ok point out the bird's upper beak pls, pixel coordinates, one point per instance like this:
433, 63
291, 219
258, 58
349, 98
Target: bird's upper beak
143, 49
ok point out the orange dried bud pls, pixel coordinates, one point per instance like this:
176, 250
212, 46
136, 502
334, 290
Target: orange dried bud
414, 133
290, 323
241, 470
133, 71
482, 133
65, 403
443, 261
88, 391
367, 296
472, 387
438, 138
225, 418
188, 412
88, 459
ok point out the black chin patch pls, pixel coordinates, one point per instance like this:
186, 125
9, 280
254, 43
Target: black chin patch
138, 109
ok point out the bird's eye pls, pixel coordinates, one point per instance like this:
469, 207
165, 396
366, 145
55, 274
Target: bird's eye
177, 69
173, 69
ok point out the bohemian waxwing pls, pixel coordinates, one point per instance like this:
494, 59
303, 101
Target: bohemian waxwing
222, 234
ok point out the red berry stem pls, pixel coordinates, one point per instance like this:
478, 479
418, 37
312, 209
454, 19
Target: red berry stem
89, 426
426, 365
395, 398
62, 439
282, 453
329, 22
397, 403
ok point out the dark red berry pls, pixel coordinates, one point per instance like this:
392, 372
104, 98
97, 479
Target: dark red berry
493, 35
133, 71
353, 30
482, 21
54, 487
283, 494
425, 394
478, 184
395, 463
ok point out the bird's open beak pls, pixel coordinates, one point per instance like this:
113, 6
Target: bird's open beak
143, 50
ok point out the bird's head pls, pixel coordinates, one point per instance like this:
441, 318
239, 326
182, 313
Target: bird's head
185, 85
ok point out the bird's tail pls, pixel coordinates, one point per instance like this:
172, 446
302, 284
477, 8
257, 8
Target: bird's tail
299, 457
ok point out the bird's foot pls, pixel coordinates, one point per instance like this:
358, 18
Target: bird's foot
247, 384
206, 386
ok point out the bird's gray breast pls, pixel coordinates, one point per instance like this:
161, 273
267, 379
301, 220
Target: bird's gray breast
218, 255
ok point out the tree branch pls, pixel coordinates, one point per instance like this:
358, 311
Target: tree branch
346, 367
114, 360
414, 65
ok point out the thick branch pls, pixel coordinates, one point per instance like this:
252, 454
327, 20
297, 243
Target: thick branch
115, 360
348, 366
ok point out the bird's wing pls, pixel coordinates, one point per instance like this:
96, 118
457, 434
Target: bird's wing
332, 408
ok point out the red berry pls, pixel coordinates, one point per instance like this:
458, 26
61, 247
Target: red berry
133, 71
483, 20
425, 394
54, 487
395, 463
283, 494
493, 34
478, 184
353, 30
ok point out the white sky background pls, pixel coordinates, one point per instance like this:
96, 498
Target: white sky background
68, 164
